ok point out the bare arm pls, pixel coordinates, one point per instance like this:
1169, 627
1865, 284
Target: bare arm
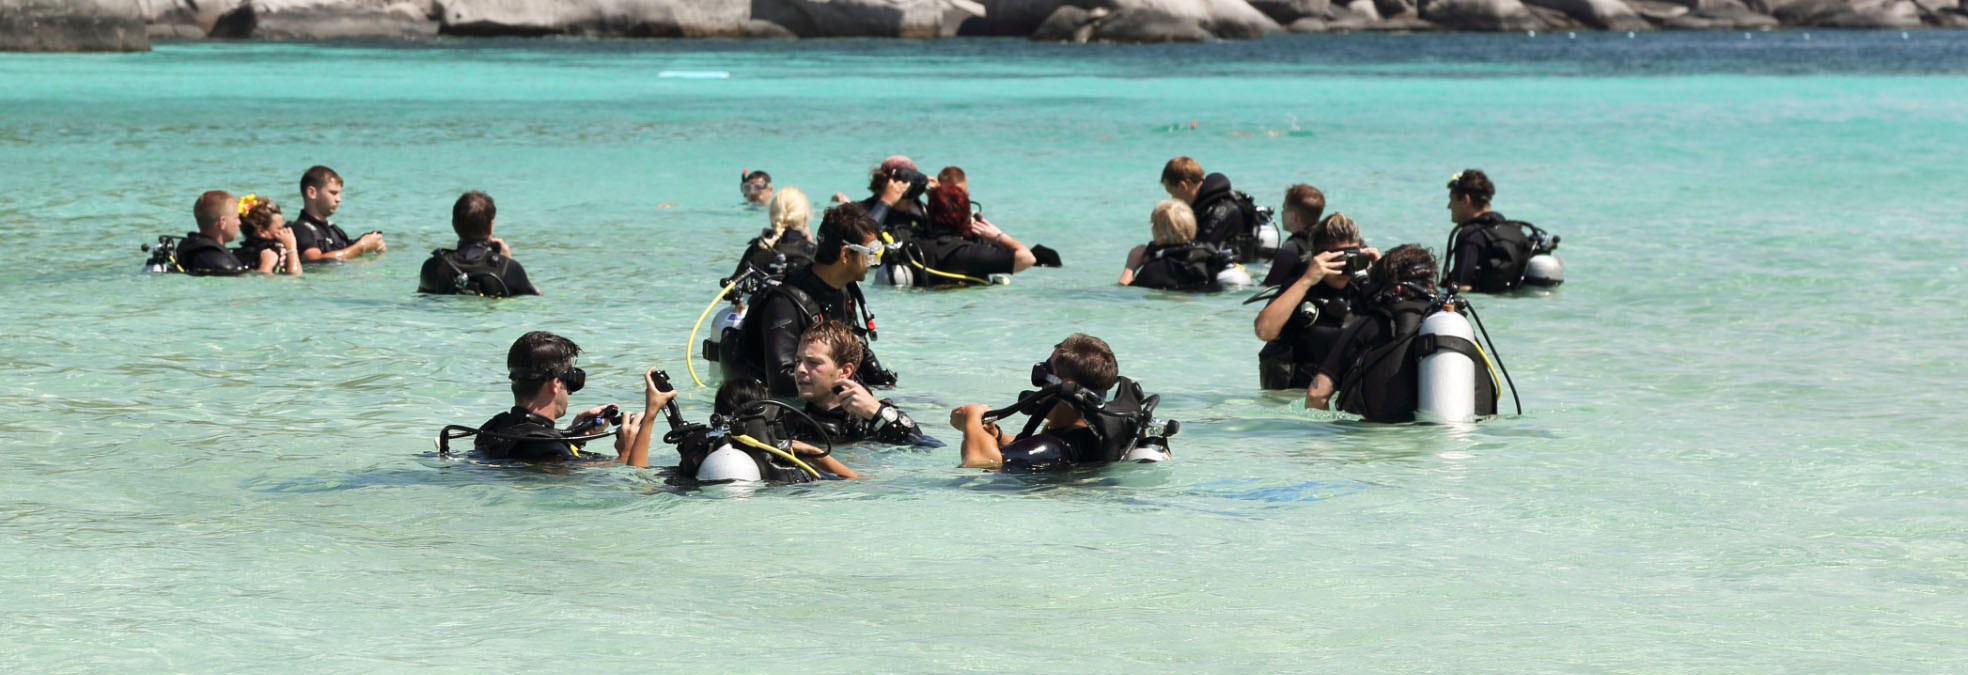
1320, 393
1021, 256
268, 259
981, 441
1272, 319
833, 466
1133, 261
368, 243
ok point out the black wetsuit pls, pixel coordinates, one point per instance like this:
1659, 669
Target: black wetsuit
1490, 254
907, 219
249, 250
1309, 333
1222, 222
793, 250
1180, 267
844, 427
1375, 365
541, 442
200, 255
768, 341
949, 251
311, 232
1289, 263
485, 272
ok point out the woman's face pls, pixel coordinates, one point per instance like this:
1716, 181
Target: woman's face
273, 227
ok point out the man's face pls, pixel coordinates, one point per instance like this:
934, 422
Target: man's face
325, 199
1460, 209
859, 262
757, 191
229, 223
815, 374
1184, 190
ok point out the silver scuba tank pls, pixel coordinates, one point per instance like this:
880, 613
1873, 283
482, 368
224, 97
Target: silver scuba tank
1544, 269
1447, 378
729, 317
899, 276
727, 463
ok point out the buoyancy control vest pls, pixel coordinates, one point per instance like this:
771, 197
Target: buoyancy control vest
765, 424
739, 346
1382, 384
1188, 266
1121, 427
454, 275
1506, 248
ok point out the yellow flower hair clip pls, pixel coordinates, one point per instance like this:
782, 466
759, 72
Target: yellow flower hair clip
247, 203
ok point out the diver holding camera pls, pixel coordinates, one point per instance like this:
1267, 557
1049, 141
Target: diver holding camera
541, 367
1303, 319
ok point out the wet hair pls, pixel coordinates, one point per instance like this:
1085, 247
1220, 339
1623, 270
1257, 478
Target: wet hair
1087, 361
1404, 263
842, 346
259, 217
1336, 229
471, 216
1306, 202
949, 206
537, 354
735, 393
1173, 222
211, 208
842, 225
1473, 184
317, 177
756, 176
788, 209
950, 174
1182, 169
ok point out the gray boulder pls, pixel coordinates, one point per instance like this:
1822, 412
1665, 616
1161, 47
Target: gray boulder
1285, 12
1390, 9
1725, 18
72, 26
1402, 24
598, 18
856, 18
1658, 11
1067, 24
1602, 14
1150, 25
1309, 25
291, 20
1480, 15
1221, 18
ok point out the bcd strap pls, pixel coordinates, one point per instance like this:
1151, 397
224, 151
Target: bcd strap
1431, 343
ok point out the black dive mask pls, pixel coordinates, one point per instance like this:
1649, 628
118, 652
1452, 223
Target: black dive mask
1042, 374
575, 378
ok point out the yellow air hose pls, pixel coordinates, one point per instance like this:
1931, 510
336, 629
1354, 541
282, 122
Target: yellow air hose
688, 363
753, 442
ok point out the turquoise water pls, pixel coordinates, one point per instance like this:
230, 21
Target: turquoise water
1741, 447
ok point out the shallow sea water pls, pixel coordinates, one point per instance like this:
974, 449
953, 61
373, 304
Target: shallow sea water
1741, 447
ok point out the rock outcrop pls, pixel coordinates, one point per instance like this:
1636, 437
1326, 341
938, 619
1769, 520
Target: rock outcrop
72, 26
1601, 14
1481, 15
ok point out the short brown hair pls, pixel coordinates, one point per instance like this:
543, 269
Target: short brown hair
1182, 169
842, 225
1305, 201
211, 208
535, 358
951, 174
1473, 184
1404, 263
1085, 360
317, 177
1334, 230
842, 346
471, 216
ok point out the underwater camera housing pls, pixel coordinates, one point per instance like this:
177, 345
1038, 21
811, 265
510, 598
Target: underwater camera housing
916, 180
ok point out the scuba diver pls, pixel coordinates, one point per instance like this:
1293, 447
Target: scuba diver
765, 345
787, 243
895, 201
829, 354
1081, 426
958, 247
1411, 356
1175, 260
1225, 218
201, 253
481, 264
541, 367
750, 437
268, 245
756, 186
1302, 319
319, 238
1489, 253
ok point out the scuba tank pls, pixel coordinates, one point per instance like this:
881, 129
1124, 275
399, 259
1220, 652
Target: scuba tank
163, 254
724, 324
897, 275
1234, 277
1544, 268
726, 464
1447, 377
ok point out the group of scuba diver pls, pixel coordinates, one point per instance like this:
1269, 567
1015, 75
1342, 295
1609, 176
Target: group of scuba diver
1379, 335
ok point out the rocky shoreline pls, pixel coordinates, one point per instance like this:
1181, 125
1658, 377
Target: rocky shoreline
129, 25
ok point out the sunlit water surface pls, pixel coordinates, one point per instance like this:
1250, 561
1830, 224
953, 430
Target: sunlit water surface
1741, 447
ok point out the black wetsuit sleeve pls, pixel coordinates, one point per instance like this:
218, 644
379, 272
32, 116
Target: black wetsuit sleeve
1215, 226
304, 238
1345, 348
1469, 251
902, 431
780, 323
878, 211
1284, 265
978, 259
516, 281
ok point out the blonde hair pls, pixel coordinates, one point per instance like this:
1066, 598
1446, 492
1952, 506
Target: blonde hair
1174, 222
789, 209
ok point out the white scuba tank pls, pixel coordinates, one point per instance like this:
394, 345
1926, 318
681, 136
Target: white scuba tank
1234, 277
899, 276
1447, 378
1146, 453
1267, 237
728, 463
1544, 269
729, 317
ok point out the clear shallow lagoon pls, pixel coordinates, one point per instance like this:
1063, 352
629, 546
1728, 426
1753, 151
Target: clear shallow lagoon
1742, 447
